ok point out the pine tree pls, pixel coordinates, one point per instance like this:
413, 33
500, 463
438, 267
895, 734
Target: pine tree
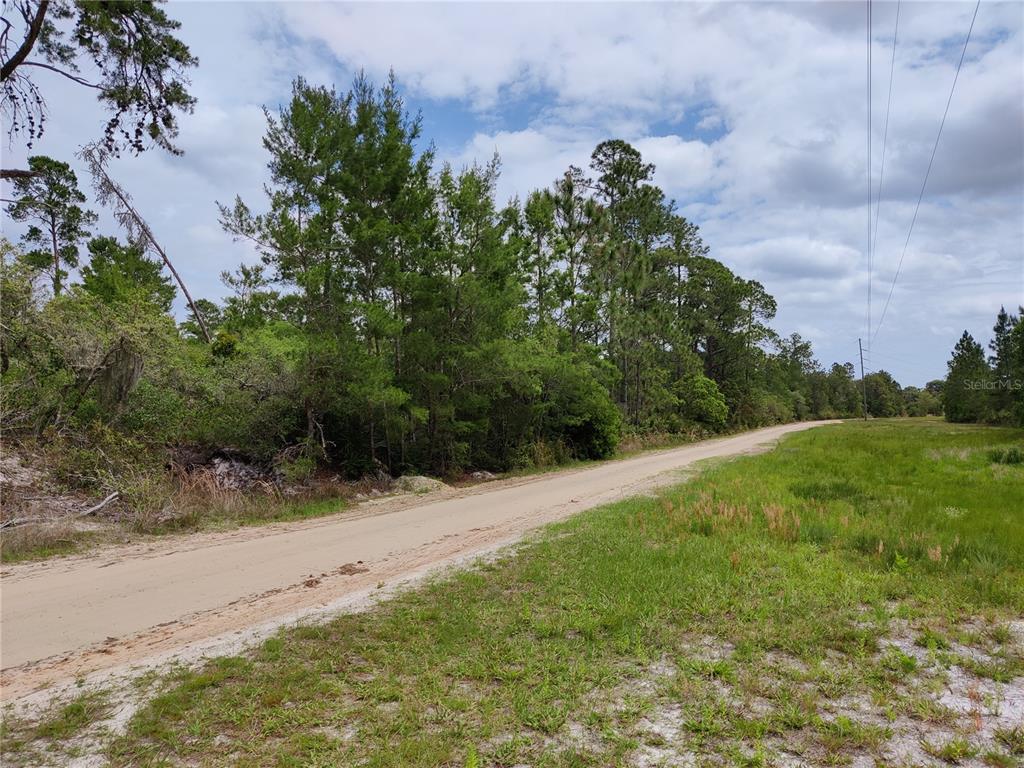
51, 200
125, 53
966, 393
122, 274
1001, 360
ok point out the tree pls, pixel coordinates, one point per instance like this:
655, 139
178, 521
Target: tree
921, 402
1015, 369
966, 394
1004, 366
884, 395
350, 219
51, 200
468, 303
252, 303
141, 67
212, 314
122, 274
576, 224
539, 234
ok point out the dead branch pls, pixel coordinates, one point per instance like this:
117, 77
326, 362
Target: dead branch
84, 513
16, 173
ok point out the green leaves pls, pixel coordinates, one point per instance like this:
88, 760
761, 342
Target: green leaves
123, 274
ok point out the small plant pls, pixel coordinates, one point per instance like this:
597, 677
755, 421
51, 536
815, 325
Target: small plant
953, 751
900, 563
1001, 634
1012, 739
931, 640
997, 759
74, 717
297, 470
899, 662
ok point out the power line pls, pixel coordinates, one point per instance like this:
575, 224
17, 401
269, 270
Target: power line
927, 173
871, 246
881, 172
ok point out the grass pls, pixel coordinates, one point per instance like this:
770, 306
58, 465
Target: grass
35, 542
630, 445
55, 732
810, 603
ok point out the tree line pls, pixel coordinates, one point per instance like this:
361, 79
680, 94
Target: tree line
988, 389
401, 318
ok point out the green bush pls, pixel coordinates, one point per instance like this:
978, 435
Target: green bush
702, 401
577, 410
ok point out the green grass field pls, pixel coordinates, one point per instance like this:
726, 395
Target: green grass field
854, 597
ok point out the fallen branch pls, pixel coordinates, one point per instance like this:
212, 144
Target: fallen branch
84, 513
96, 508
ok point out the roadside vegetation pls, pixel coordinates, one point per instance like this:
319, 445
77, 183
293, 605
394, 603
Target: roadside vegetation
401, 318
854, 597
412, 325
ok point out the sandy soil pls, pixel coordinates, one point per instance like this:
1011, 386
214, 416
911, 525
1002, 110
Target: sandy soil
116, 607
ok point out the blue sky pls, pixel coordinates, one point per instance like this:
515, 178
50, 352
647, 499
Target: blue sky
753, 113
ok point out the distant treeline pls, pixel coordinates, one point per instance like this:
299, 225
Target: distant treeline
402, 319
988, 389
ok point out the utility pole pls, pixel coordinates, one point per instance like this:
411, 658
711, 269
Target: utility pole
863, 381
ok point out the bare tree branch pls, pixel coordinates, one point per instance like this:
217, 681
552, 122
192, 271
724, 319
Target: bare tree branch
84, 513
26, 45
68, 75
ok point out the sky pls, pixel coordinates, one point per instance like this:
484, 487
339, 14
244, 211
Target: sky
754, 114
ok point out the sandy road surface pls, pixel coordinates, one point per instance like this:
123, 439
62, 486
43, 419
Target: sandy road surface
73, 616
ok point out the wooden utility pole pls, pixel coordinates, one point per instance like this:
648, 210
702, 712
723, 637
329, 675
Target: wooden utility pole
863, 381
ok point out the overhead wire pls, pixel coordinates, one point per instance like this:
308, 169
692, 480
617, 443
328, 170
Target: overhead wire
881, 170
924, 184
870, 186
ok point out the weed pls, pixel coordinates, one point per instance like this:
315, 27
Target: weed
954, 751
1012, 739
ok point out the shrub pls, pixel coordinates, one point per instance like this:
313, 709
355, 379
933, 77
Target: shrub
701, 401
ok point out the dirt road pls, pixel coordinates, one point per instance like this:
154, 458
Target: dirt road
73, 616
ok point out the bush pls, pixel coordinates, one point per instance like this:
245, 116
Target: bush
99, 459
702, 401
577, 410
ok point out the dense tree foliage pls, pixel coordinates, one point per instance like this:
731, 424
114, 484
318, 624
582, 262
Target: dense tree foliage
403, 318
988, 390
122, 273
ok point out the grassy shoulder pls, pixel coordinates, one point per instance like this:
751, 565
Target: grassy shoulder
856, 594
